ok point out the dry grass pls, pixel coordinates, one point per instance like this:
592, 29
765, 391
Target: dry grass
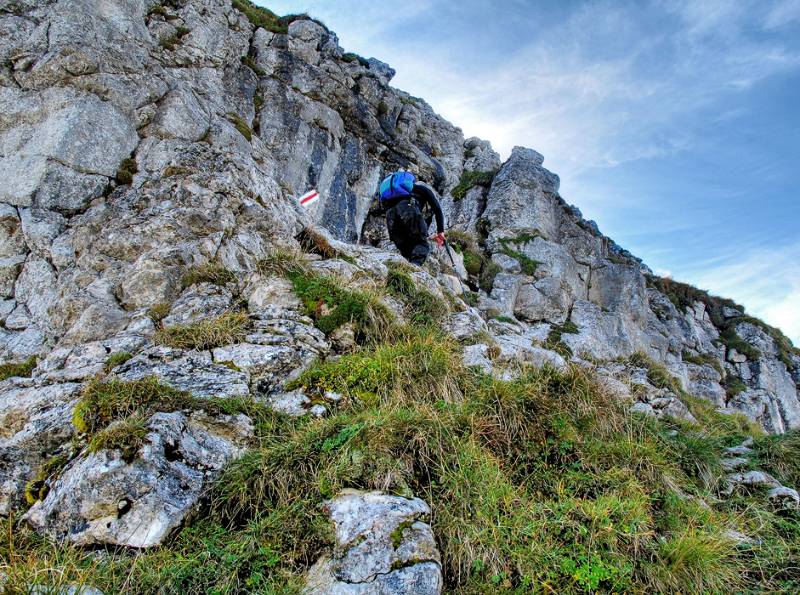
206, 334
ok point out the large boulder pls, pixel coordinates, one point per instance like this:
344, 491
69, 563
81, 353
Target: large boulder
102, 499
383, 546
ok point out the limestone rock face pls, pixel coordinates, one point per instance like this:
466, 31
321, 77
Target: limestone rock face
383, 545
102, 499
138, 145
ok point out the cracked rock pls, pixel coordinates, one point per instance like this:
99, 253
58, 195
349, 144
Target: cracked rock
383, 546
102, 499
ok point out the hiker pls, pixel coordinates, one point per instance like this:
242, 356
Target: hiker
405, 200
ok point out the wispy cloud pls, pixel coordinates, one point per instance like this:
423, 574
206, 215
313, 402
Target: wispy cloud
766, 279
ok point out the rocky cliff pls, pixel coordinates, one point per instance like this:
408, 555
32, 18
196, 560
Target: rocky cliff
159, 279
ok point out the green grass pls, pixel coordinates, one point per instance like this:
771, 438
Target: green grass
489, 271
225, 329
733, 385
263, 17
780, 456
470, 179
683, 296
240, 125
251, 64
351, 57
20, 369
103, 402
328, 302
703, 359
210, 272
422, 306
545, 483
527, 264
116, 359
554, 338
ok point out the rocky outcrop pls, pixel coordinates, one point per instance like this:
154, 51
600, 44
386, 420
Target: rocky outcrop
383, 545
140, 142
101, 498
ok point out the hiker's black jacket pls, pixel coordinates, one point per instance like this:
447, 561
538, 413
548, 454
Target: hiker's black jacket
408, 226
426, 196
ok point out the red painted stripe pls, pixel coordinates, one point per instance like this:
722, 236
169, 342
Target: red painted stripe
311, 196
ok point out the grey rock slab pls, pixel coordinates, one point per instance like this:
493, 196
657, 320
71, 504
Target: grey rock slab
477, 355
190, 371
383, 545
102, 499
785, 497
199, 302
35, 420
463, 325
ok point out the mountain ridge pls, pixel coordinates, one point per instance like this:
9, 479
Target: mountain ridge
190, 356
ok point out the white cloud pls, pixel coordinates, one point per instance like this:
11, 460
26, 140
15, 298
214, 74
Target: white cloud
765, 280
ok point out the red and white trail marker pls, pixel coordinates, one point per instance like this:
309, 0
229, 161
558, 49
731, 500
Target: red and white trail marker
309, 198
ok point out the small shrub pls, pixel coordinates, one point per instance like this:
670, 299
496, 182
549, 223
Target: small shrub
240, 125
470, 179
126, 170
116, 359
21, 369
471, 298
210, 272
159, 312
225, 329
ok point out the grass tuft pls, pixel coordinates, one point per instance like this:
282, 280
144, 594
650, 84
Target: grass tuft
240, 124
116, 359
158, 312
422, 306
225, 329
19, 369
470, 179
210, 272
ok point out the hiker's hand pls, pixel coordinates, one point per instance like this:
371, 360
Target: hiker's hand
439, 239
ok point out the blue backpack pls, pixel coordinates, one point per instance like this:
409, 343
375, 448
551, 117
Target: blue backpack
397, 185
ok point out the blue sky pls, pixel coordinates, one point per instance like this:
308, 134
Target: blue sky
674, 125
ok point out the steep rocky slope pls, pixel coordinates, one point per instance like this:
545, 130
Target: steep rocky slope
160, 284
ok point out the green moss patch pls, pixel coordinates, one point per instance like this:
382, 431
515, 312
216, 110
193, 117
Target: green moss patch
20, 369
240, 124
509, 247
126, 171
470, 179
116, 359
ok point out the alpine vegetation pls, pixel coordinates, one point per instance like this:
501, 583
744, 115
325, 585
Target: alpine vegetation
234, 362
